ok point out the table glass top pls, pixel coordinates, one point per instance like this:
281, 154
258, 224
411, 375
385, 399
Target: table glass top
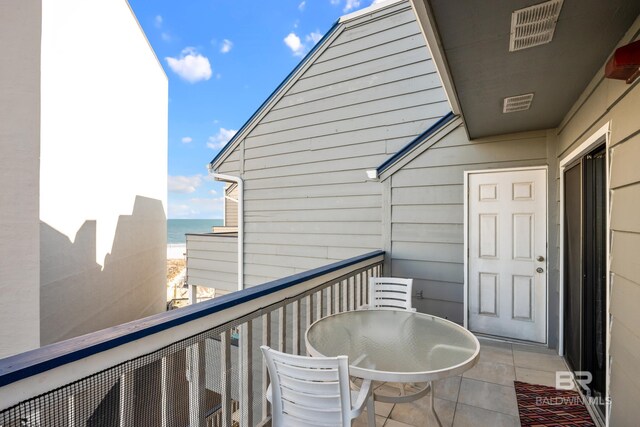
393, 341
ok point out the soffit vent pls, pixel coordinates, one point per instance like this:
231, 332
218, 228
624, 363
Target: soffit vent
517, 103
534, 25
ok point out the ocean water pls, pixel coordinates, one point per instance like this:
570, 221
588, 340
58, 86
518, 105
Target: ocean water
176, 228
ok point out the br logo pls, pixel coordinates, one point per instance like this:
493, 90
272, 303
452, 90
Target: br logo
565, 380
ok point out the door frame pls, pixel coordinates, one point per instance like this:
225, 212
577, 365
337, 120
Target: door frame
599, 137
467, 174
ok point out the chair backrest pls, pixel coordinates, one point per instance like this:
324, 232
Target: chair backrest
390, 293
308, 391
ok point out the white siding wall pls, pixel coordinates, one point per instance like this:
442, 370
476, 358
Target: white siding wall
212, 261
307, 201
19, 174
231, 208
427, 211
103, 169
616, 102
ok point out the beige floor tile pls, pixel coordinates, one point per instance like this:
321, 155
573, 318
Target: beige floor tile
535, 349
448, 388
497, 373
539, 361
496, 354
418, 413
489, 396
487, 342
394, 423
469, 416
534, 376
362, 421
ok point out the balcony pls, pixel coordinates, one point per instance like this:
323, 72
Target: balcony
201, 365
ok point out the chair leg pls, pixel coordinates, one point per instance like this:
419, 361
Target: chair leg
371, 412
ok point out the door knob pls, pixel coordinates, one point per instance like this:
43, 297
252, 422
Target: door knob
540, 258
539, 269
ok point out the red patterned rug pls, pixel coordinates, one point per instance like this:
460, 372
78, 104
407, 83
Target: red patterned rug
542, 406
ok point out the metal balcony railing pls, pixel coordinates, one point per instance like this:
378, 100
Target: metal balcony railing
196, 366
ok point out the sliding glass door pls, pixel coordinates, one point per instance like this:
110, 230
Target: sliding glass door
585, 268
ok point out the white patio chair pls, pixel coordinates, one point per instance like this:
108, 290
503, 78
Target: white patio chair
314, 391
390, 293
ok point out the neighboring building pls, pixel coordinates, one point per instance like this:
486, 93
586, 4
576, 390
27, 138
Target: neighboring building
83, 143
522, 225
368, 88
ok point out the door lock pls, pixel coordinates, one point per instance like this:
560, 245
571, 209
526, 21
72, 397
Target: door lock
540, 258
540, 270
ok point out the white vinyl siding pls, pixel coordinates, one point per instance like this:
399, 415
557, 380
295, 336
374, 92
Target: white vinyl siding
307, 201
427, 212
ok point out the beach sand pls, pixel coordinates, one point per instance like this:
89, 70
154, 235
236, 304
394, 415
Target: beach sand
176, 251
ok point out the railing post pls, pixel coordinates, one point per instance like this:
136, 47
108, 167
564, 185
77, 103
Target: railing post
246, 381
196, 378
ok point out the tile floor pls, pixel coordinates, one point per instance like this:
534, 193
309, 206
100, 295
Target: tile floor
483, 396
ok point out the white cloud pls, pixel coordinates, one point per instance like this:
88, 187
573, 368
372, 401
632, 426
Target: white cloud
213, 192
314, 37
191, 65
334, 2
157, 21
166, 37
378, 1
220, 139
295, 44
186, 139
183, 184
351, 4
302, 5
226, 46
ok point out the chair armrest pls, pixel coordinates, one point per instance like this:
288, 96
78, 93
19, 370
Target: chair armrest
364, 395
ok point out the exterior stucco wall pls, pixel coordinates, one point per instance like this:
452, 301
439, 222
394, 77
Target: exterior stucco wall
103, 169
19, 174
615, 102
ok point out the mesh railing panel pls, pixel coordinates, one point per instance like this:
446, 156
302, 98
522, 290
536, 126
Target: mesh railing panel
202, 380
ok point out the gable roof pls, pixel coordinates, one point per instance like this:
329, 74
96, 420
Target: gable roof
293, 77
420, 144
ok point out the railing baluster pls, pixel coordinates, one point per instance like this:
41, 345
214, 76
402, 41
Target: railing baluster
168, 369
296, 327
309, 304
329, 300
357, 291
196, 377
345, 295
246, 348
266, 340
126, 399
225, 375
319, 305
282, 329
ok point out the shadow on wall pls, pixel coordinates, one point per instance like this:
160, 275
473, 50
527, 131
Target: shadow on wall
78, 296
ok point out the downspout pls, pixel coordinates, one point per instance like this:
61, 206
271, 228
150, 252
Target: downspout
238, 181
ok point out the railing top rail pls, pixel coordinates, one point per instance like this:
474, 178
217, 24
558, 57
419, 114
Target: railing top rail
30, 363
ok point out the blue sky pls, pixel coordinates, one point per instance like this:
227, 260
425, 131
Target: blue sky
223, 59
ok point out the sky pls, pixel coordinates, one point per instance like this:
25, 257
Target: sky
223, 58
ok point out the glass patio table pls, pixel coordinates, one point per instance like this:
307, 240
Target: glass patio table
395, 346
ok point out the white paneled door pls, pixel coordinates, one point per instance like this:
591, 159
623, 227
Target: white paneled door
507, 239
